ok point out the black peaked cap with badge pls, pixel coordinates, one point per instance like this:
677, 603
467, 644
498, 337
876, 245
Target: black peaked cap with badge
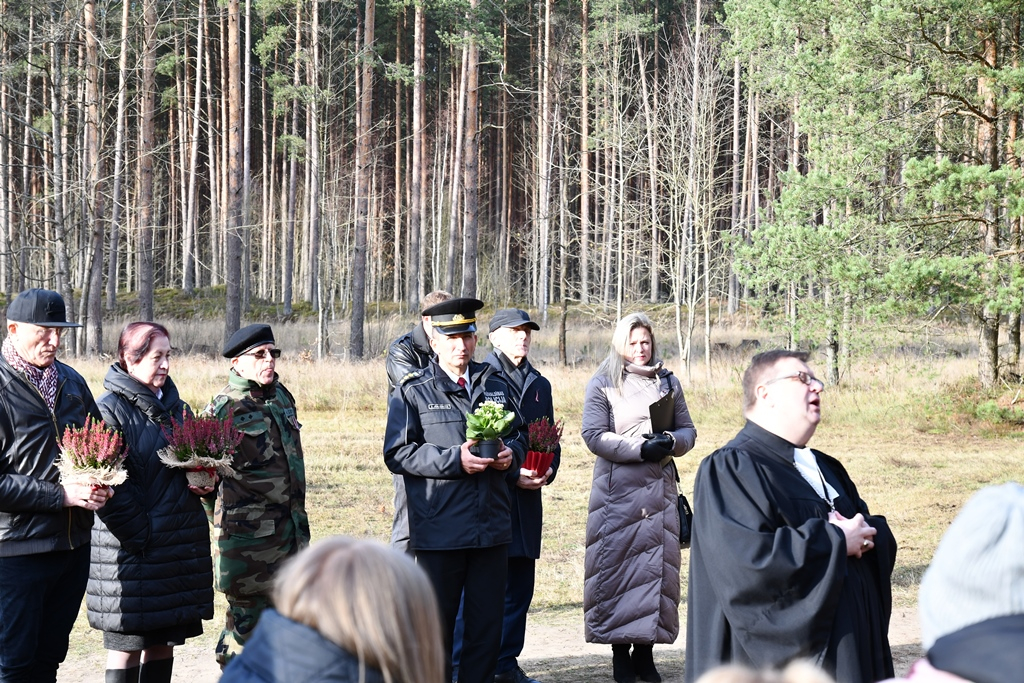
455, 316
42, 307
249, 337
511, 317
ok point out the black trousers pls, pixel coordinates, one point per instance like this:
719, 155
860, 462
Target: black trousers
39, 600
480, 574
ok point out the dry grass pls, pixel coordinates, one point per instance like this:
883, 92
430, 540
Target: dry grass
887, 423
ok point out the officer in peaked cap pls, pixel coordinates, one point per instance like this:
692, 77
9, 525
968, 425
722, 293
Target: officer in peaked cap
455, 316
459, 505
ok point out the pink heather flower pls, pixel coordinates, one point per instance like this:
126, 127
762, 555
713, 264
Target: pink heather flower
93, 446
544, 436
203, 437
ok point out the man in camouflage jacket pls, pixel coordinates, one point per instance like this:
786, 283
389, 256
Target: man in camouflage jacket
259, 518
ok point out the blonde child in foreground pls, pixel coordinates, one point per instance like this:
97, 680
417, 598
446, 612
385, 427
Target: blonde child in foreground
346, 610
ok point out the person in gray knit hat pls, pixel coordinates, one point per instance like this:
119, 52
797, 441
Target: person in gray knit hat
971, 601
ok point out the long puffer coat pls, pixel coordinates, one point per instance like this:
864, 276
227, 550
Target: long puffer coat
631, 585
151, 566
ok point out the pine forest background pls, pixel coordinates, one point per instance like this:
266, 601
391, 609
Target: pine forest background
832, 166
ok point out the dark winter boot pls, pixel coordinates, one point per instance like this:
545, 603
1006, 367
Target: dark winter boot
643, 664
622, 665
122, 675
157, 671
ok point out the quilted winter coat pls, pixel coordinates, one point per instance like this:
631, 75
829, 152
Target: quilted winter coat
631, 586
151, 566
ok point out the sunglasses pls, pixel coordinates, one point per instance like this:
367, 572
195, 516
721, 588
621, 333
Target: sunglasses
263, 353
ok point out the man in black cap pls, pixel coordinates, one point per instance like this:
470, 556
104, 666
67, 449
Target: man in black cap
510, 334
259, 517
459, 508
45, 526
409, 353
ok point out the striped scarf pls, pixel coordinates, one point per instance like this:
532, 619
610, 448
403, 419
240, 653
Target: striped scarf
44, 379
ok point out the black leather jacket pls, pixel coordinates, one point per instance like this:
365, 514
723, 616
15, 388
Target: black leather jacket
33, 518
408, 353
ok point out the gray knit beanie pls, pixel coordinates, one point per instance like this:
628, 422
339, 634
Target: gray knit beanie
978, 569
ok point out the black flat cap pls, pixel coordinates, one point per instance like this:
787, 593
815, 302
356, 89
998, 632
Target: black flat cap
511, 317
454, 316
249, 337
41, 307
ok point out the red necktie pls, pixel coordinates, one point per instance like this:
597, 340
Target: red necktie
462, 382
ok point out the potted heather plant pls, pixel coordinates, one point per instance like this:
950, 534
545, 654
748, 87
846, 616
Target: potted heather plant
487, 424
93, 455
544, 438
203, 446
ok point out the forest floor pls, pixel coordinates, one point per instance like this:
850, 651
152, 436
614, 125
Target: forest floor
555, 652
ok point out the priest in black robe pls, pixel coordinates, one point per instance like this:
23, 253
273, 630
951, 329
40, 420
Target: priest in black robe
786, 560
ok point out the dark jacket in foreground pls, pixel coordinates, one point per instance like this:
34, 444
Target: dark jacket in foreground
448, 508
534, 402
770, 579
285, 651
151, 565
33, 518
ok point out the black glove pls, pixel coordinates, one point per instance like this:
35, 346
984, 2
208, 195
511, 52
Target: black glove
656, 447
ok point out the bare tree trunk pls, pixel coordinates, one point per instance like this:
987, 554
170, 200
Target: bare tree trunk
585, 156
544, 169
652, 166
188, 256
459, 122
734, 285
58, 99
988, 149
233, 225
363, 165
147, 145
93, 165
470, 224
1013, 317
396, 271
415, 271
314, 160
288, 274
246, 219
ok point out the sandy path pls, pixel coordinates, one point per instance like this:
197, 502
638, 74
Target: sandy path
555, 652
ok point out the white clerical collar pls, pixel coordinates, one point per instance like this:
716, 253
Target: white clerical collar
807, 465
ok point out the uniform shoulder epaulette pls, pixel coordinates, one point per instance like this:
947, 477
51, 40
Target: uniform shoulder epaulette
409, 376
215, 406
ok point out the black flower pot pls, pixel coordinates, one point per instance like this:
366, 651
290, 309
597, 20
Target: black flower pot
489, 448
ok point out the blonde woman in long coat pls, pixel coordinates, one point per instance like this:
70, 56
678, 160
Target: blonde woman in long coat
631, 589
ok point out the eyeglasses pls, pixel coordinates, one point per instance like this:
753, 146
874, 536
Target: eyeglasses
263, 353
804, 377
